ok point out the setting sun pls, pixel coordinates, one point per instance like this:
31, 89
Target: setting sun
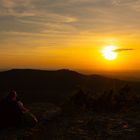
109, 53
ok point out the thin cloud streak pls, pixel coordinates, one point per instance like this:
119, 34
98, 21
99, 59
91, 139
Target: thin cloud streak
120, 50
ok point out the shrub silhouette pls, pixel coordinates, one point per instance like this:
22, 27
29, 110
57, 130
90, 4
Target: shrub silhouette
110, 100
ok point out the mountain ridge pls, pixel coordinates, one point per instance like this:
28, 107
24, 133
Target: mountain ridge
56, 84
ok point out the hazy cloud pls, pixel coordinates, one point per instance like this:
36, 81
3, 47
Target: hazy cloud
72, 17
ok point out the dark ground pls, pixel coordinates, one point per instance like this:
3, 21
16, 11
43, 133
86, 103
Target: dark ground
77, 124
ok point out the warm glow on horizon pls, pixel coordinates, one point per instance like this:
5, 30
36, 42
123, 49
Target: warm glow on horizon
108, 53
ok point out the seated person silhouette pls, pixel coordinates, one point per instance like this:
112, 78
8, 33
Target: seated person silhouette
13, 113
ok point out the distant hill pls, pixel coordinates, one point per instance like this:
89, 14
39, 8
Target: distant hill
44, 84
28, 79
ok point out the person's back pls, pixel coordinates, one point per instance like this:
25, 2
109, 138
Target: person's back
13, 113
10, 113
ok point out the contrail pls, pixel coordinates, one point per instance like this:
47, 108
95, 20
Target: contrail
120, 50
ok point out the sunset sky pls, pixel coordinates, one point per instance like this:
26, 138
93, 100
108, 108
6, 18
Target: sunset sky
55, 34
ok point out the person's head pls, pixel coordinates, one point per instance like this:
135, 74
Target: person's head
12, 95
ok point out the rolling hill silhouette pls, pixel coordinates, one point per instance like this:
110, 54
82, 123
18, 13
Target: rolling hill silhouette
55, 85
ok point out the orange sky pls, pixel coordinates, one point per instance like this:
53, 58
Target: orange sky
52, 35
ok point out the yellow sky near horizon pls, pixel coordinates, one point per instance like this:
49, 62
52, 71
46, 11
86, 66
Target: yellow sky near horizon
80, 56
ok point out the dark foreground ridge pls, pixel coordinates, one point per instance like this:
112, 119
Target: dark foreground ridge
83, 117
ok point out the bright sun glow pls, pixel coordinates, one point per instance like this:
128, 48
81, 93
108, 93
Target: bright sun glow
109, 53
